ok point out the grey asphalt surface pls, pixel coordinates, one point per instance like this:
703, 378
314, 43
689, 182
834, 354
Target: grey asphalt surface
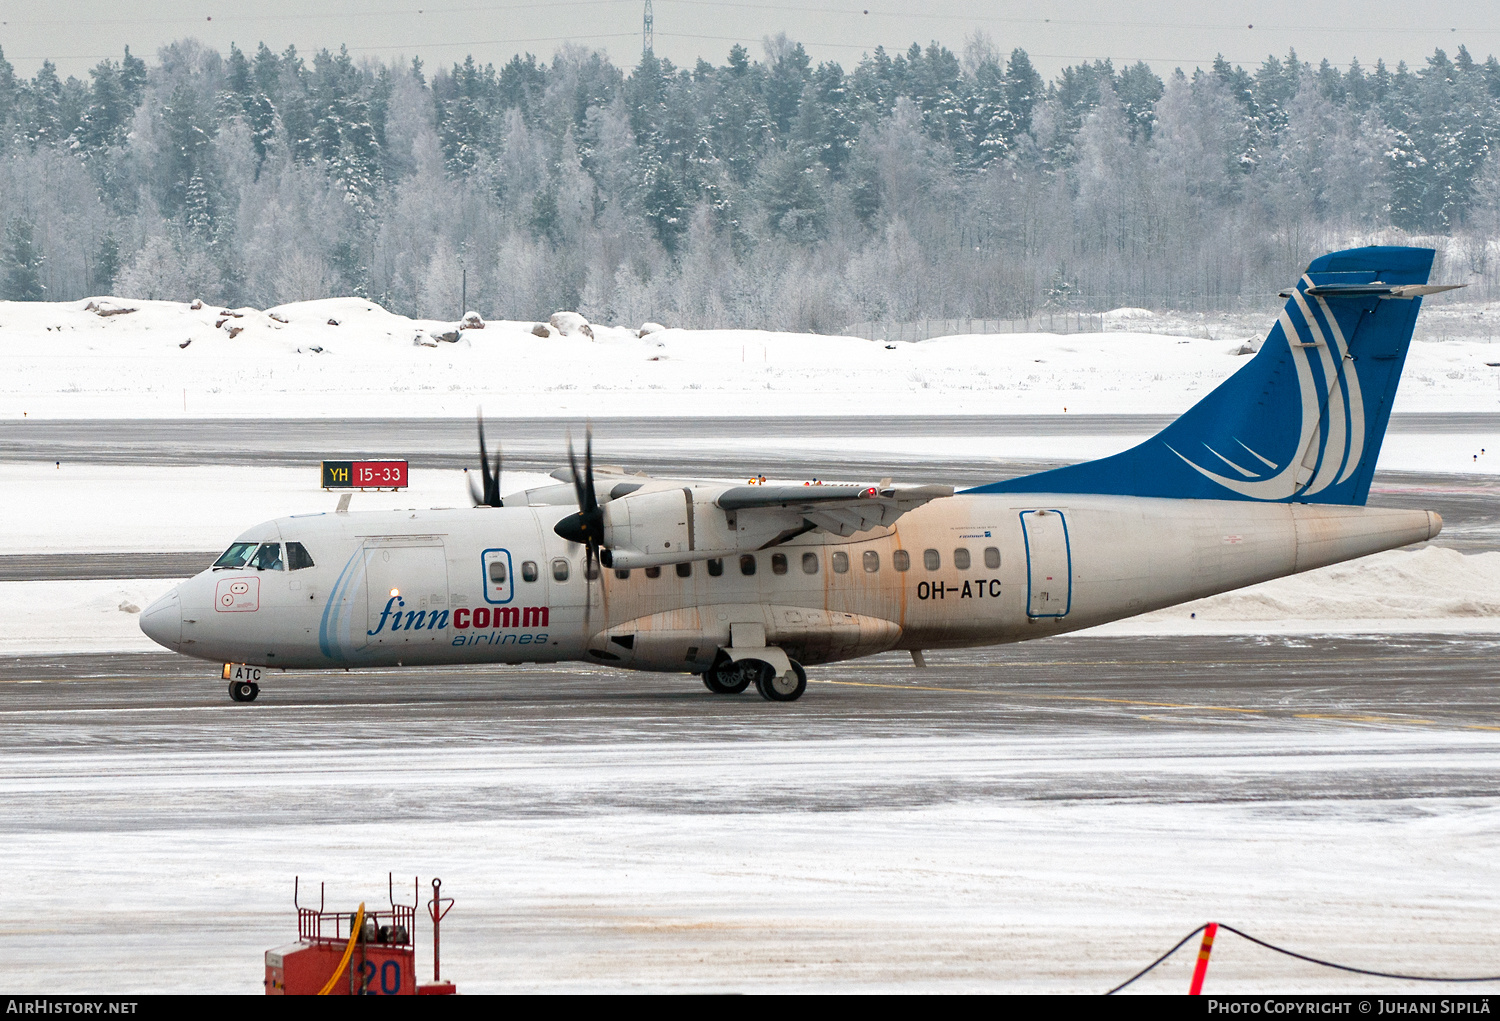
602, 829
533, 443
70, 566
1284, 699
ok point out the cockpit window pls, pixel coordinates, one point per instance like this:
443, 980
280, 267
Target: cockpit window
268, 557
236, 555
297, 557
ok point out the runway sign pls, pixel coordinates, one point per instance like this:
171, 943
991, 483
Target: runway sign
364, 474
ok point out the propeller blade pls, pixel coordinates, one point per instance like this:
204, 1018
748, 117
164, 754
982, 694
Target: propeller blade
594, 571
588, 467
491, 495
588, 594
599, 567
586, 527
484, 459
577, 479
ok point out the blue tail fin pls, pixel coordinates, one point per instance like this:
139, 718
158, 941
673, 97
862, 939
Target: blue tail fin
1303, 420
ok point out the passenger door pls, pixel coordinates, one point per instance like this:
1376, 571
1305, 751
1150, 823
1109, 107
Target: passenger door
1049, 563
406, 586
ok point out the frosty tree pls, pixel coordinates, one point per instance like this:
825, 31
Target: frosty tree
23, 263
781, 191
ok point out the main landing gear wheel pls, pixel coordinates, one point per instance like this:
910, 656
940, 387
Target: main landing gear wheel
243, 691
781, 689
730, 678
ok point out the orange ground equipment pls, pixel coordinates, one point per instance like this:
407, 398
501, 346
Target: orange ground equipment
355, 953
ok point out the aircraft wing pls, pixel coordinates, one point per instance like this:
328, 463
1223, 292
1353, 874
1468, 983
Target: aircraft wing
842, 510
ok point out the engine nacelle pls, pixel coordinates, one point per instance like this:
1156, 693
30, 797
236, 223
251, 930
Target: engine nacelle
668, 526
652, 524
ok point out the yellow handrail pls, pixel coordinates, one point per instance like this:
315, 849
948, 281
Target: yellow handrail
359, 924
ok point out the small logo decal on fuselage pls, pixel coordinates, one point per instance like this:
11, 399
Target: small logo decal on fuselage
237, 595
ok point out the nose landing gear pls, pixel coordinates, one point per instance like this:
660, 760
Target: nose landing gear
243, 691
243, 681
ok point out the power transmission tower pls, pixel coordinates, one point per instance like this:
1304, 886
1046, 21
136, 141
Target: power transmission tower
648, 35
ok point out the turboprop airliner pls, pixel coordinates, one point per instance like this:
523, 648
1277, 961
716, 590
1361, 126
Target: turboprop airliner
750, 584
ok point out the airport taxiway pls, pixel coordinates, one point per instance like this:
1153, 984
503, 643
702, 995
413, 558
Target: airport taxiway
1043, 816
534, 442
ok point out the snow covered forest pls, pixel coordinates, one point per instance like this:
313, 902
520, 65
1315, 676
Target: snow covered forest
760, 193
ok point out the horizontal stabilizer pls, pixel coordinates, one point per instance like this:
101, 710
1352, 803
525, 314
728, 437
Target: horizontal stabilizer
1377, 288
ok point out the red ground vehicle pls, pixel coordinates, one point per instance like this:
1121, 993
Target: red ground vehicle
357, 953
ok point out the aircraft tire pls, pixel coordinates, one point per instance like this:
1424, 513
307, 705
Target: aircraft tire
714, 680
243, 691
775, 689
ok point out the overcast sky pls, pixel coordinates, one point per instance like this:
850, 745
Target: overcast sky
76, 34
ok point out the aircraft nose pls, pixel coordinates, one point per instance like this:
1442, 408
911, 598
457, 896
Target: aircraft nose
162, 621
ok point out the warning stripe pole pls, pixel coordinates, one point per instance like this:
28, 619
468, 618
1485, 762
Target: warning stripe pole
1201, 970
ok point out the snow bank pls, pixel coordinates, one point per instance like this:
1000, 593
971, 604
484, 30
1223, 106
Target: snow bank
350, 357
44, 509
1430, 589
77, 616
1423, 584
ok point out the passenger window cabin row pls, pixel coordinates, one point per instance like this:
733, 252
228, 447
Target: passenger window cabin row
266, 556
811, 563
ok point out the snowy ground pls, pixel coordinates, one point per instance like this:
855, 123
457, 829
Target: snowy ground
46, 509
988, 898
62, 360
1057, 894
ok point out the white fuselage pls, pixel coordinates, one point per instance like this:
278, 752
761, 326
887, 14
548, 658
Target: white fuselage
421, 587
